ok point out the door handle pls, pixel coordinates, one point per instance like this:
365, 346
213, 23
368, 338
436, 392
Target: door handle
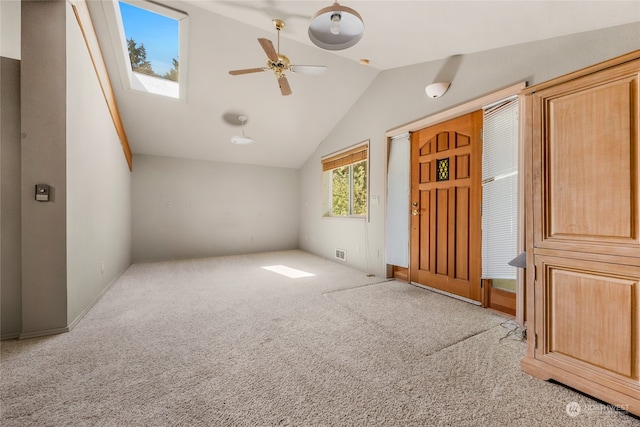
415, 212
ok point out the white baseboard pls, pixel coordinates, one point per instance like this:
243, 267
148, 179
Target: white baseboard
43, 333
75, 321
96, 299
10, 336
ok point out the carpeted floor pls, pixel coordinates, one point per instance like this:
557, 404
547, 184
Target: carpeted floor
224, 342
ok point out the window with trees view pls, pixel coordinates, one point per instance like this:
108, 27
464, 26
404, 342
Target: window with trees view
153, 40
346, 183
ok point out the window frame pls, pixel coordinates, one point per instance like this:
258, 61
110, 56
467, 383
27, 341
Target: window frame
128, 77
349, 157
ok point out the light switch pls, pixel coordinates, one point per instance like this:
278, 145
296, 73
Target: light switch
42, 192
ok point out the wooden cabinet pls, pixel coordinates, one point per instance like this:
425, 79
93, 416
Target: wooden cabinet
580, 134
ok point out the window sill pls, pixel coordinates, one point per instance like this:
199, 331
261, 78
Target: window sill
350, 217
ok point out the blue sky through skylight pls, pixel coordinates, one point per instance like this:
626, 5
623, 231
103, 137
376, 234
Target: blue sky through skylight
158, 33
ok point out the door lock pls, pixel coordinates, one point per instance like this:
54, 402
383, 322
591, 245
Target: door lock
415, 212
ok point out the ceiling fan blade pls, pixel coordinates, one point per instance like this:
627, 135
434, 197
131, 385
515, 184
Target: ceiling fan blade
247, 71
269, 49
308, 69
284, 86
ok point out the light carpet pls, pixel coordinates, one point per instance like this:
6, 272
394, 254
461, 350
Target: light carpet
224, 342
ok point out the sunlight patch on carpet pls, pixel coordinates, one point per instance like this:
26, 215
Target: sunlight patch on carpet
288, 271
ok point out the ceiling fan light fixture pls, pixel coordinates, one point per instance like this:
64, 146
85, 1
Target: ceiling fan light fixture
279, 63
242, 139
335, 23
336, 27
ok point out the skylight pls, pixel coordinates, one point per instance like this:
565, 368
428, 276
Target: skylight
153, 41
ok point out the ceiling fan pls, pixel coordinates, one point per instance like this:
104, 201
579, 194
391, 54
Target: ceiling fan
279, 63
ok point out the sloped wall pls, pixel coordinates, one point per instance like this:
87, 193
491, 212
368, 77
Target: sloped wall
397, 97
98, 184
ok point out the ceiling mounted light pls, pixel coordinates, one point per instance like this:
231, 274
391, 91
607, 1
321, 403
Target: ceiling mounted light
242, 139
336, 27
436, 90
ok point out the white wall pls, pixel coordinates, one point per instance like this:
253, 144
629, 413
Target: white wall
98, 184
397, 97
10, 27
190, 208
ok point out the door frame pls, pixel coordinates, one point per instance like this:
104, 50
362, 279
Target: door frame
460, 110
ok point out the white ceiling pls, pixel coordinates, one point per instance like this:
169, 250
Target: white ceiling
223, 36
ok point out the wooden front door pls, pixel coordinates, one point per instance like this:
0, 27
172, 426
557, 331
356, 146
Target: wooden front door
445, 206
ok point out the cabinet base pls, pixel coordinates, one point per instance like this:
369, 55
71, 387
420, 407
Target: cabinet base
544, 371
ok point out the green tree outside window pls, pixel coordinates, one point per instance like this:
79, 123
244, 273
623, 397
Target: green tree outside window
360, 188
140, 64
349, 190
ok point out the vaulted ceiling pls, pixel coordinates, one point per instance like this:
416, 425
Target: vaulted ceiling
223, 36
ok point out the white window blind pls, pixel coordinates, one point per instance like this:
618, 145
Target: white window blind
398, 188
500, 189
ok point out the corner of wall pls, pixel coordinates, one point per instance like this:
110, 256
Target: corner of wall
10, 207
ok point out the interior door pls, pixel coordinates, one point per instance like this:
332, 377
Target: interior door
446, 206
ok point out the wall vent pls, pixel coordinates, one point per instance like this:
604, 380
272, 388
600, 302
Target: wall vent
341, 254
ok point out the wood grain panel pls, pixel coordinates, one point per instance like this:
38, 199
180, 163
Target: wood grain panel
592, 167
462, 140
401, 273
442, 227
425, 149
442, 141
425, 172
463, 166
591, 319
499, 299
462, 233
425, 219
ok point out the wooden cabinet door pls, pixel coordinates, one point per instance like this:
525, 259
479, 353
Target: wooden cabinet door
587, 320
586, 164
586, 239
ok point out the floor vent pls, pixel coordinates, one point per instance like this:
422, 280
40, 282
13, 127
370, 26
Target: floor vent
341, 254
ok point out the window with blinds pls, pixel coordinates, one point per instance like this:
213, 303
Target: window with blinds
500, 189
398, 192
346, 183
